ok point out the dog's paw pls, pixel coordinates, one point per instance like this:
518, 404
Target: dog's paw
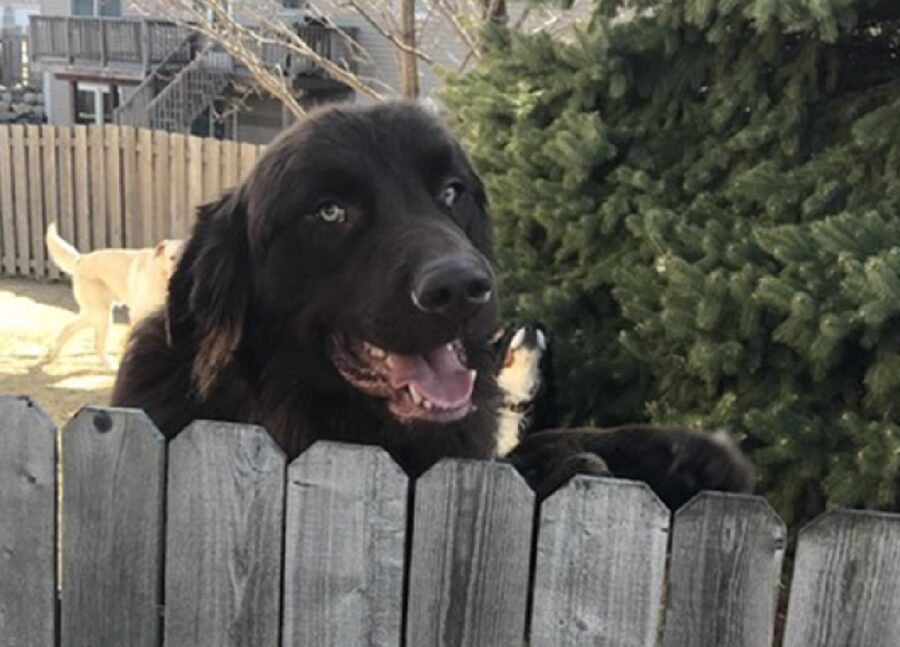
551, 461
676, 463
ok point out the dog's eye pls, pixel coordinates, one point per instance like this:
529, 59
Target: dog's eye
451, 192
331, 212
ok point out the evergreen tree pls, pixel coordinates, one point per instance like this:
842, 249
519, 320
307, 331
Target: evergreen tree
703, 203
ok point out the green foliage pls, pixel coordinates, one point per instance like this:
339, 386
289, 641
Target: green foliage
704, 205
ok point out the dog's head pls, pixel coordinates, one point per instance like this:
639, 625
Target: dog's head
166, 255
361, 232
523, 356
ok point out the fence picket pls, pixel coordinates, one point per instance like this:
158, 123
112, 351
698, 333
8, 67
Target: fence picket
600, 563
36, 200
132, 215
471, 548
178, 181
7, 203
163, 219
346, 527
846, 584
113, 471
84, 216
51, 189
64, 179
27, 524
195, 180
99, 214
224, 524
148, 233
727, 552
114, 188
20, 197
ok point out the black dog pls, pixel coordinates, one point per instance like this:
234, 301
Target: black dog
345, 291
526, 380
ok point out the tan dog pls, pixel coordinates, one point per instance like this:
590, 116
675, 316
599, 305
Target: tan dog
136, 278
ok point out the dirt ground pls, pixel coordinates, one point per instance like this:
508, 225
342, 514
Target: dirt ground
31, 315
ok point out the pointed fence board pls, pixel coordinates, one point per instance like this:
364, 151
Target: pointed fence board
224, 531
346, 529
600, 565
846, 584
114, 479
727, 551
27, 524
471, 549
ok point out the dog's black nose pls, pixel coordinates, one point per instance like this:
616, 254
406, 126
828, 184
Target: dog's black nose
454, 287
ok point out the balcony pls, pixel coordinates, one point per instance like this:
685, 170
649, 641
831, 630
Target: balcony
109, 48
128, 49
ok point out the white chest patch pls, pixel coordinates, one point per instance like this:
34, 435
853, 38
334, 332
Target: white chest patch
519, 382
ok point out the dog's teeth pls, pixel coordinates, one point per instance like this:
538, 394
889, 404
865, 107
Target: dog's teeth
428, 404
374, 351
415, 395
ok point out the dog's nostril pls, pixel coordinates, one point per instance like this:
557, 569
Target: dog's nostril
479, 290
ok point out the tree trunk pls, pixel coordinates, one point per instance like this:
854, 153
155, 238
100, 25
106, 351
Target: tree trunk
409, 73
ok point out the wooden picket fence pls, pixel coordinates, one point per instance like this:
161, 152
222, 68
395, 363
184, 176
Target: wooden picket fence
214, 539
105, 186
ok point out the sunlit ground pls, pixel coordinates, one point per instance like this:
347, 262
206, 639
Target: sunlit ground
31, 315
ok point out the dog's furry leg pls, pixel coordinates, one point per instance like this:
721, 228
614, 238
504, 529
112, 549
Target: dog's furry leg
79, 323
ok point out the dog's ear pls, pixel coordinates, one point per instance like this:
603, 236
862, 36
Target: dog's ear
159, 249
209, 293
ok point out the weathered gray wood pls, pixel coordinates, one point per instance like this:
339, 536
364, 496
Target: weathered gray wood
114, 476
345, 533
223, 537
27, 524
727, 551
601, 556
195, 180
473, 523
99, 215
64, 181
846, 585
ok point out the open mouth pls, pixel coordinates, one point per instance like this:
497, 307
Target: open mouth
435, 386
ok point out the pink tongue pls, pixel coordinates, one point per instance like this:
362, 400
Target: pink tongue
439, 376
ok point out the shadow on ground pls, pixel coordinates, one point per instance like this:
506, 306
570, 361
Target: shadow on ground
31, 315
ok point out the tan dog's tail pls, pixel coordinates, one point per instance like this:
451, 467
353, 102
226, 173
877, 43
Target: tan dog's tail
64, 255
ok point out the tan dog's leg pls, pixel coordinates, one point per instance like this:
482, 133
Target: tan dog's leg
94, 310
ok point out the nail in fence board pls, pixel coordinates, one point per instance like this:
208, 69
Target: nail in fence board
27, 524
225, 506
346, 529
113, 476
846, 585
601, 555
473, 523
726, 558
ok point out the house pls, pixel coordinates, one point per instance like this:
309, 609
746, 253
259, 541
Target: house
106, 61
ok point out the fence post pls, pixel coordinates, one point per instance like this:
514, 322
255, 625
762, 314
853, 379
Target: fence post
28, 526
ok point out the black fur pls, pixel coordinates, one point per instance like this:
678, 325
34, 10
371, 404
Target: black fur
262, 286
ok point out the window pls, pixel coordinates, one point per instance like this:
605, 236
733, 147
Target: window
95, 103
96, 7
